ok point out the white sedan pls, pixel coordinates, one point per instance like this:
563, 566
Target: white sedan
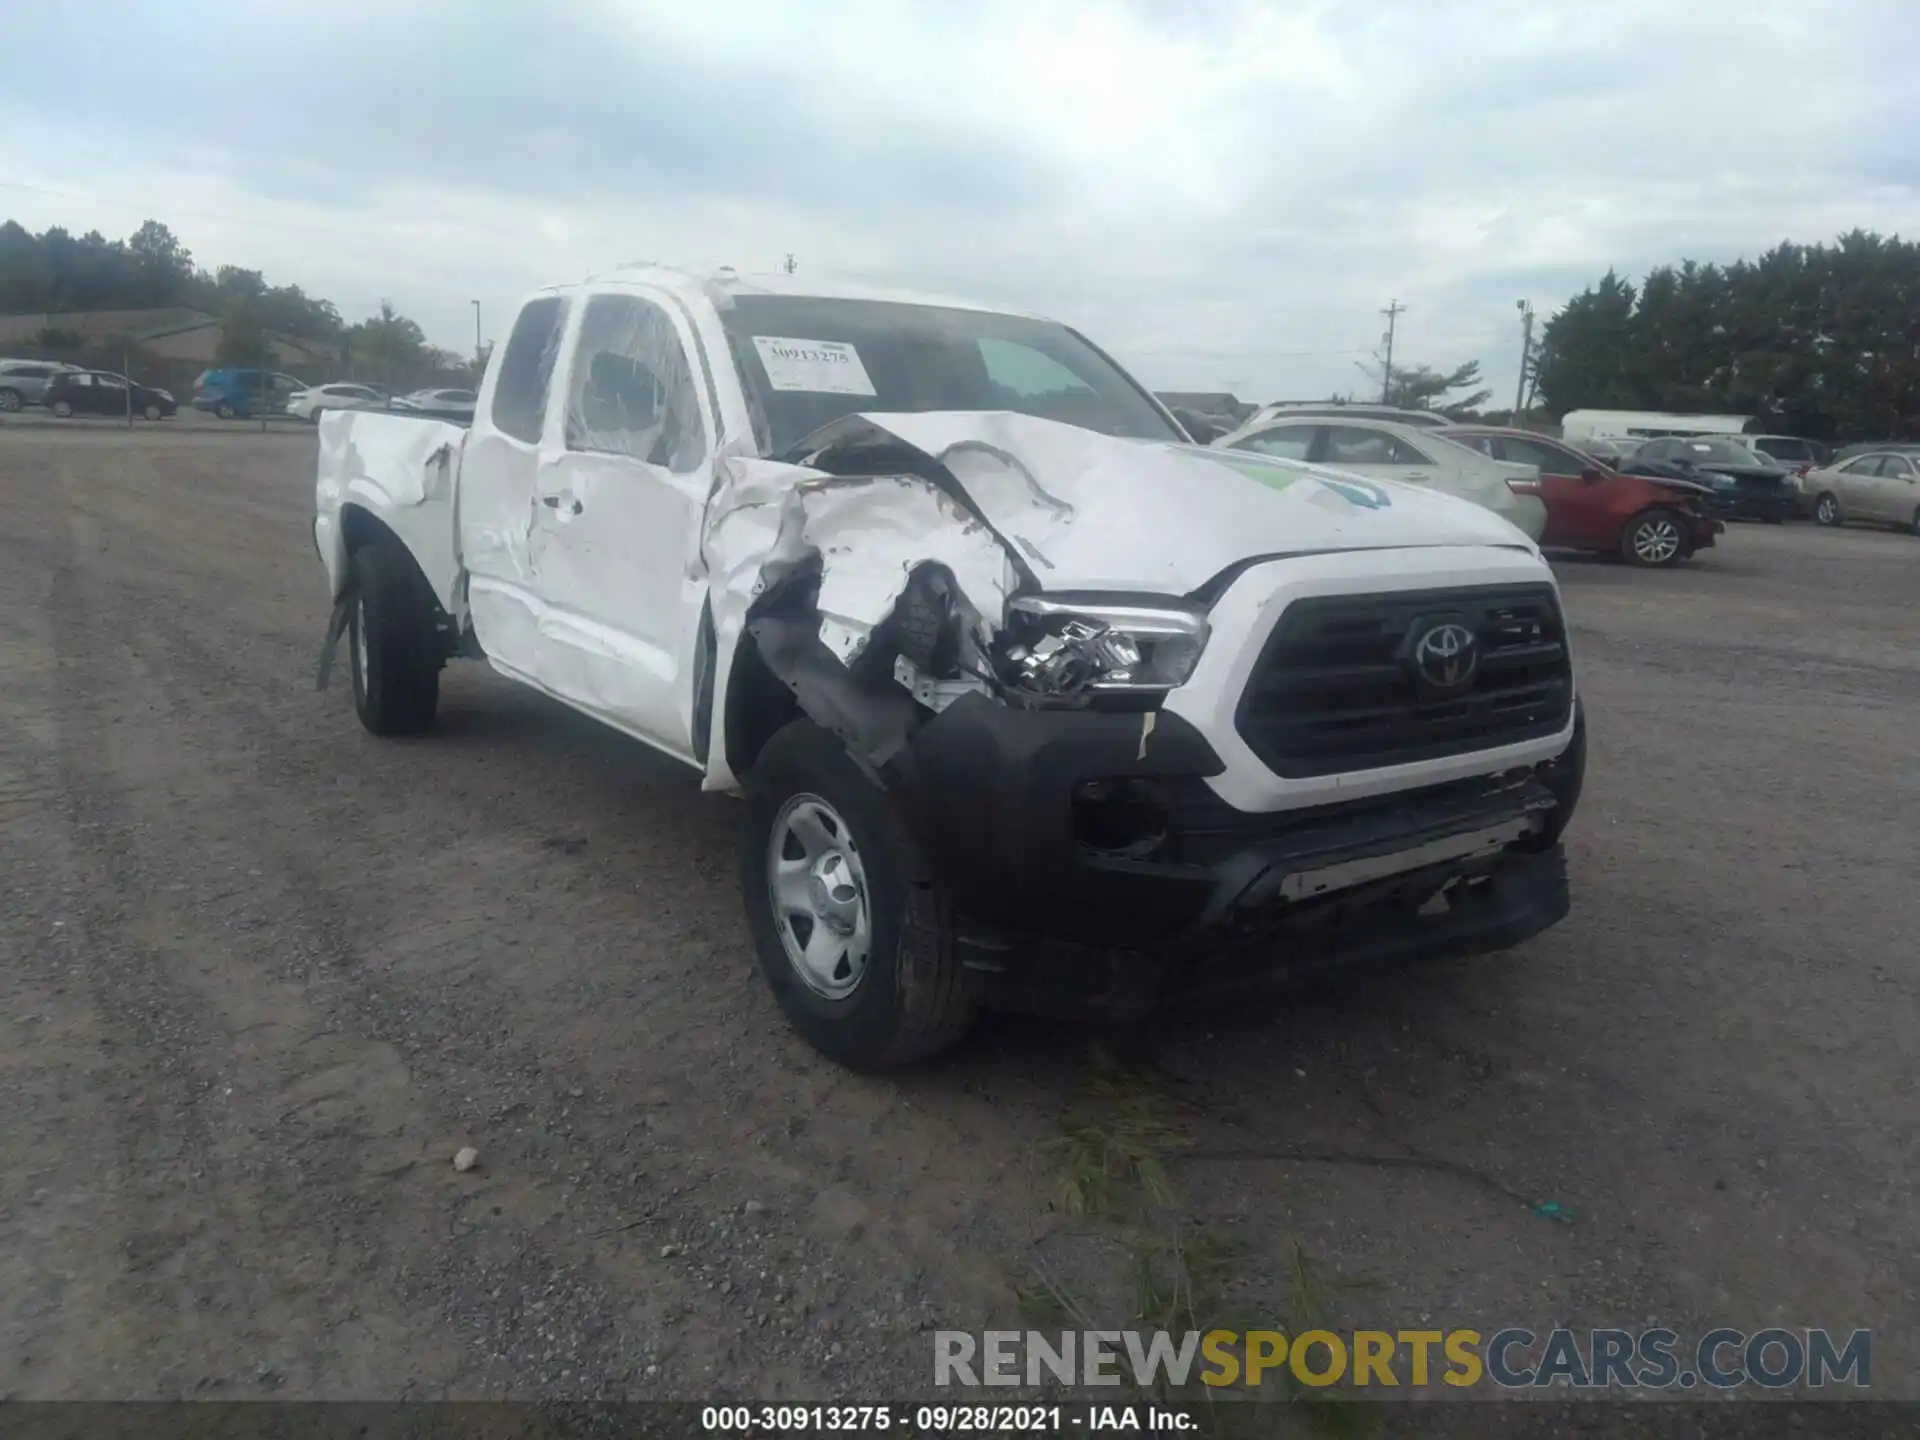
1881, 487
1384, 450
307, 404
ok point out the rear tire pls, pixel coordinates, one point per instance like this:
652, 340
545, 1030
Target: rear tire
11, 400
1654, 539
223, 410
1913, 526
394, 642
62, 409
1826, 510
906, 997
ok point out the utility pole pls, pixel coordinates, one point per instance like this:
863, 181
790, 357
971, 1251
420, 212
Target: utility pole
476, 334
789, 265
1525, 307
1393, 312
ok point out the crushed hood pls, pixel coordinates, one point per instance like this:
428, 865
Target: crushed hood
1093, 512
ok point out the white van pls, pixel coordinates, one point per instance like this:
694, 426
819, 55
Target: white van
1629, 427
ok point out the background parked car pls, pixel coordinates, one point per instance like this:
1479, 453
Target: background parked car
1291, 409
1590, 506
1793, 451
101, 392
24, 382
447, 404
1882, 486
240, 393
1382, 449
1742, 483
307, 404
1868, 447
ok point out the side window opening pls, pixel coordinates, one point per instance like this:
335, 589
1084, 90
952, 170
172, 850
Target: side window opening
632, 390
526, 369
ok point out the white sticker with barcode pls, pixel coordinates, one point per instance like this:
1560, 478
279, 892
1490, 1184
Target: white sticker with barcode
825, 367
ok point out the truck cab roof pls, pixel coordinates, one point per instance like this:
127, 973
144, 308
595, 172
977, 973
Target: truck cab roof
718, 285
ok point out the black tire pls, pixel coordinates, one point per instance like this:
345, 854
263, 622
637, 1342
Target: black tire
62, 409
1639, 535
912, 999
1826, 510
396, 673
223, 410
11, 400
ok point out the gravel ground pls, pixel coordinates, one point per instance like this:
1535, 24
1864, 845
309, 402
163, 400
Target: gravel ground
262, 976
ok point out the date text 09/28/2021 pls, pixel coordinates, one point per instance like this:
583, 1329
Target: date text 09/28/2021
944, 1419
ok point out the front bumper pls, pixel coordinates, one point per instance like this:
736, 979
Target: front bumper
1703, 531
1091, 869
1774, 505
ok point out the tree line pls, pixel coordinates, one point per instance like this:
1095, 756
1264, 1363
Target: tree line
55, 272
1815, 340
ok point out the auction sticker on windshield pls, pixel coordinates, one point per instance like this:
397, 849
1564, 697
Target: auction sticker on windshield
824, 367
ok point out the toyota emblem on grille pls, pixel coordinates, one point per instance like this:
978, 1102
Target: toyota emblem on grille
1446, 655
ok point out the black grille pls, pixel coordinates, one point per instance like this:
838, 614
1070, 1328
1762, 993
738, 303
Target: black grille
1336, 687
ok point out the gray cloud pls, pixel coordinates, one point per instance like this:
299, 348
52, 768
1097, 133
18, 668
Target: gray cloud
1226, 191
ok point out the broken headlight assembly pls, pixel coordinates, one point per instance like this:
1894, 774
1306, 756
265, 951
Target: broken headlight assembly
1057, 649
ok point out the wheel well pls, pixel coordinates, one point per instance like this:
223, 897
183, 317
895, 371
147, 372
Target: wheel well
360, 528
758, 706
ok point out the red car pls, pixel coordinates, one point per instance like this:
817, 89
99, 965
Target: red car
1645, 521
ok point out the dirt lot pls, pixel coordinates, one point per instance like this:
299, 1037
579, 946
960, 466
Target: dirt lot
260, 975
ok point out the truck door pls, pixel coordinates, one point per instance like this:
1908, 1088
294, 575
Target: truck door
615, 541
496, 503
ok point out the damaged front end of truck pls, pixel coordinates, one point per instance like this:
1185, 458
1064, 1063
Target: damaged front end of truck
991, 617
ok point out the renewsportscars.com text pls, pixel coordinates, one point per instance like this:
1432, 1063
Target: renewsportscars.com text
1512, 1359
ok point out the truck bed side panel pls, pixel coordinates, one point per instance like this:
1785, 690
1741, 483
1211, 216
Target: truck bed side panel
400, 470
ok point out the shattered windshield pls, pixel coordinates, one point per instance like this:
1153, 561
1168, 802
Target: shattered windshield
808, 361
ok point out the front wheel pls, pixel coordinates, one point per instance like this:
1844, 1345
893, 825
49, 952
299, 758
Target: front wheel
1826, 510
1913, 526
152, 412
11, 400
1653, 538
847, 925
394, 640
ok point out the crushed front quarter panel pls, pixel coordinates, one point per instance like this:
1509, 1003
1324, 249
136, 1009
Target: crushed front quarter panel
869, 533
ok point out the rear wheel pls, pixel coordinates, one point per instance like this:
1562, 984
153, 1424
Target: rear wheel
847, 925
11, 400
1653, 538
1826, 510
61, 408
223, 410
395, 642
1913, 525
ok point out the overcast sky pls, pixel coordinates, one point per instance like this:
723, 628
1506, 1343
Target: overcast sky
1221, 193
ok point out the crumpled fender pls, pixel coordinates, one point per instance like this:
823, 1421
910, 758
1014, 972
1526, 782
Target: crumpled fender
868, 533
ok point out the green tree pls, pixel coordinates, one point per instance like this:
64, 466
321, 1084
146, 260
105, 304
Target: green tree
243, 339
388, 343
1421, 387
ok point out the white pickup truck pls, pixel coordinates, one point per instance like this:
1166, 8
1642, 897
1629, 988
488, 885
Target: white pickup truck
1035, 703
